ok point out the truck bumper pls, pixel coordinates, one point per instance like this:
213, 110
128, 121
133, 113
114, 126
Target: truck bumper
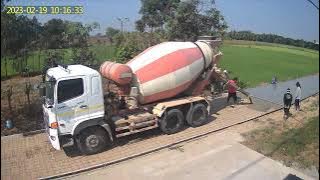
54, 138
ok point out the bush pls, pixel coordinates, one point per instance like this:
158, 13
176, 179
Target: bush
126, 53
131, 44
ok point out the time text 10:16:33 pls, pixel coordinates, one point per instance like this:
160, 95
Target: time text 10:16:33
44, 9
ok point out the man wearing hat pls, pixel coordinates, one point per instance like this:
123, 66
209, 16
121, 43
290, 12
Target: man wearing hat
287, 100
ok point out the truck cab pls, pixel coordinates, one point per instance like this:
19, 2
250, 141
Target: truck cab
74, 106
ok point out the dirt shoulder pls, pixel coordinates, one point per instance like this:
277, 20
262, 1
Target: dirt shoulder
26, 117
294, 142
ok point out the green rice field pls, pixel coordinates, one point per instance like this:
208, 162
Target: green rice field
256, 64
253, 63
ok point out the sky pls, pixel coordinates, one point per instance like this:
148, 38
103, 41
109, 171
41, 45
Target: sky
297, 19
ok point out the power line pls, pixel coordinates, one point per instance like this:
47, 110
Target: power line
122, 21
313, 4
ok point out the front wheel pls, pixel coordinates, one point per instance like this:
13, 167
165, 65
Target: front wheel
93, 140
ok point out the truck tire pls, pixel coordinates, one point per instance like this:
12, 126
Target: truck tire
198, 115
93, 140
172, 122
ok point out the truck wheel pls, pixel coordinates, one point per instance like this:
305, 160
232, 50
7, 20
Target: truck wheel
198, 115
92, 140
172, 122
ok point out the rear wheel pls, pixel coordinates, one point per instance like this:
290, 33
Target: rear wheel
93, 140
198, 115
172, 122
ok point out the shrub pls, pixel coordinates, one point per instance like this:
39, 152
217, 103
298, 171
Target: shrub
125, 53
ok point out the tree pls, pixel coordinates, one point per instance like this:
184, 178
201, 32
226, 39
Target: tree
111, 32
8, 93
54, 34
83, 56
18, 36
62, 34
183, 20
189, 22
140, 25
271, 38
155, 13
27, 91
185, 25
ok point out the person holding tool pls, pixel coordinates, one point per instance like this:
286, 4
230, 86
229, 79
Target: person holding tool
232, 89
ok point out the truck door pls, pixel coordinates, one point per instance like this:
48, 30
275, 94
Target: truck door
72, 102
96, 109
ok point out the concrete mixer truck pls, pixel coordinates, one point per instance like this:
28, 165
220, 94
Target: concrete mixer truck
161, 87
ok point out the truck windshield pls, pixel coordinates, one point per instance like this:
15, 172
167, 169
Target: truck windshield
50, 92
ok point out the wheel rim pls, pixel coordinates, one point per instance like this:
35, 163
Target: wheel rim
172, 122
199, 115
92, 141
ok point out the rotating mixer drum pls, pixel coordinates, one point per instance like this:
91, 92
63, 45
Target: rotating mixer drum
169, 68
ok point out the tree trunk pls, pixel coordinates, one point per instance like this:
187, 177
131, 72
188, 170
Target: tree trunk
9, 102
26, 59
20, 66
5, 66
27, 91
28, 98
9, 94
39, 60
34, 58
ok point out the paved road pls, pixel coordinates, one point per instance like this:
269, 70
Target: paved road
31, 157
274, 93
217, 156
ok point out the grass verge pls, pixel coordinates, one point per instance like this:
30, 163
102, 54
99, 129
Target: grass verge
295, 146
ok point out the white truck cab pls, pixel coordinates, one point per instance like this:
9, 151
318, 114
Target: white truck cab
73, 102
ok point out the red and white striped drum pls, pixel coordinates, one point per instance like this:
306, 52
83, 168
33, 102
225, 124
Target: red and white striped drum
119, 73
169, 68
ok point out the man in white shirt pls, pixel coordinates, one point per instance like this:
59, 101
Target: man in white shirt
297, 97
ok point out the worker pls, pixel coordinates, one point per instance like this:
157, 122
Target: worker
274, 80
225, 73
297, 97
232, 89
287, 100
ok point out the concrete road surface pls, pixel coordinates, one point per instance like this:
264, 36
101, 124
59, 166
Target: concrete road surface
274, 92
217, 156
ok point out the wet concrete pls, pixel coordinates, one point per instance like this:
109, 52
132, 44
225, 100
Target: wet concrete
273, 93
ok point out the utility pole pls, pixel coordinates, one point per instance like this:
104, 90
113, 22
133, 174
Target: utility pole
122, 21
